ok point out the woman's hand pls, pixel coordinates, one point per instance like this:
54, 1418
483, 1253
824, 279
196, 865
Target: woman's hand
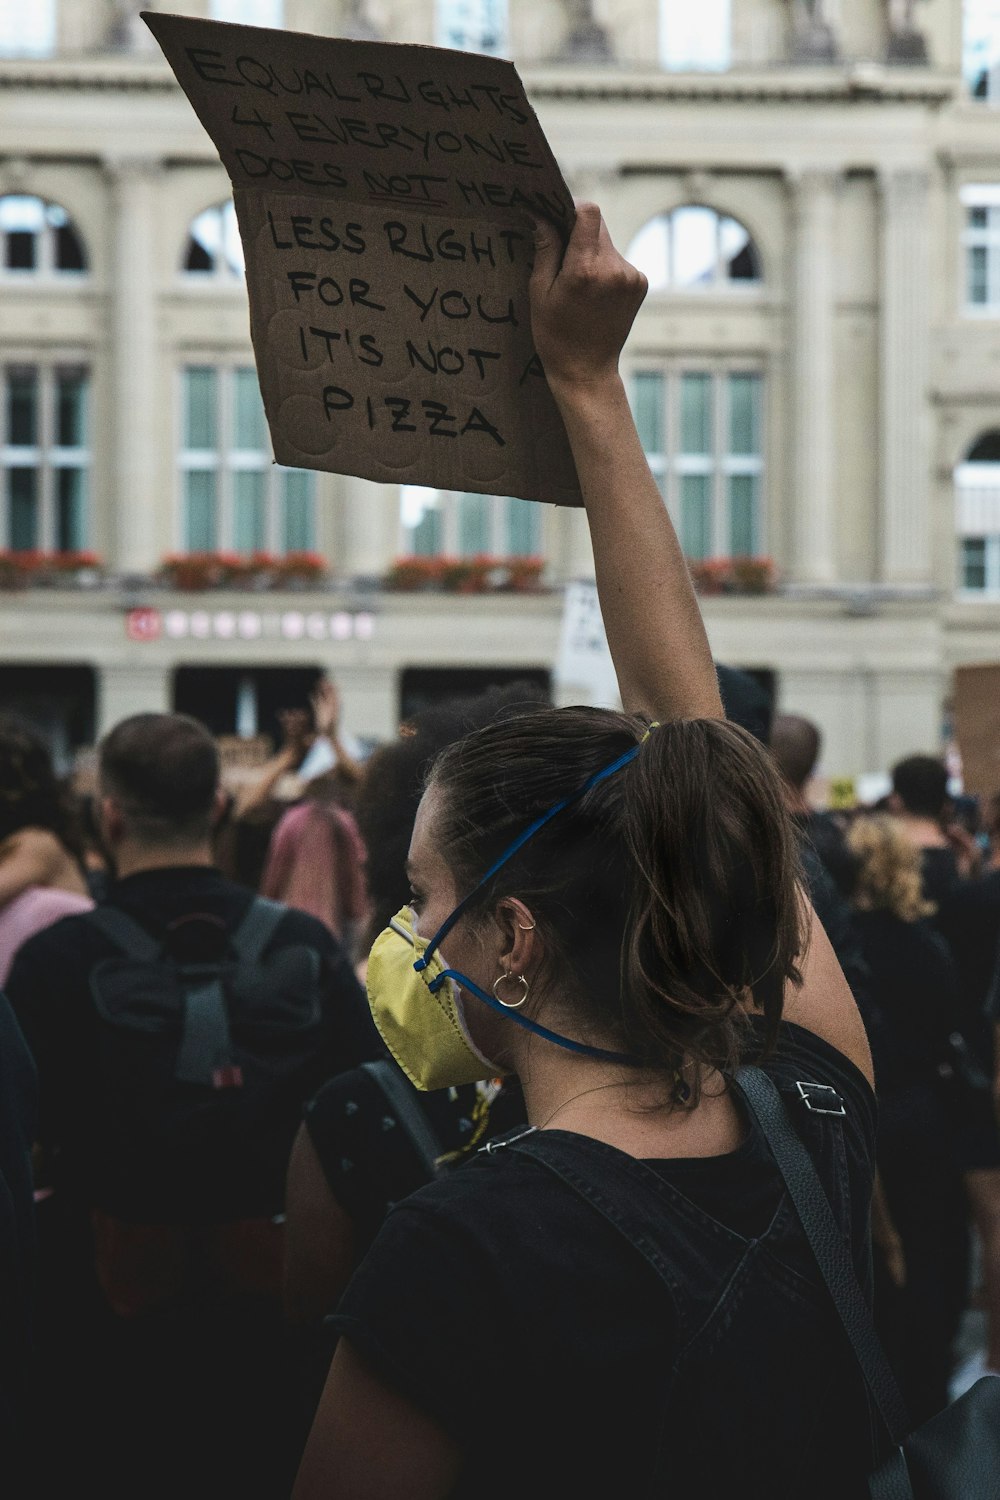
326, 708
583, 301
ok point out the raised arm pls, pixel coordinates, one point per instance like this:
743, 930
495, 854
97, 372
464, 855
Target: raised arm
583, 303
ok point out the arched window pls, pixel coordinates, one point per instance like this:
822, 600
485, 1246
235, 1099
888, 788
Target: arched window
38, 237
214, 247
977, 505
693, 248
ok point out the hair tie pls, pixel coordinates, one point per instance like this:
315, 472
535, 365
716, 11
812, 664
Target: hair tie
654, 725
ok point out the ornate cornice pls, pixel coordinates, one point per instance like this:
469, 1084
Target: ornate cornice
858, 83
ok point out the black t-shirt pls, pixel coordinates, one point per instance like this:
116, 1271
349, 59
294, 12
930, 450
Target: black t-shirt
915, 995
49, 988
939, 873
17, 1240
968, 917
524, 1323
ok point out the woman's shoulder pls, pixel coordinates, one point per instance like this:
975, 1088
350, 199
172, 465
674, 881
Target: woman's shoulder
802, 1056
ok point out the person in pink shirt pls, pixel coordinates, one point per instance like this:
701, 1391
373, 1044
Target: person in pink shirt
41, 856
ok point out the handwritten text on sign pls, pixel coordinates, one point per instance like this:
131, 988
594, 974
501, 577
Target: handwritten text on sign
385, 195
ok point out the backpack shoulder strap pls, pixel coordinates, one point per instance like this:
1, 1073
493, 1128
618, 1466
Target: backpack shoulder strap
400, 1096
259, 924
125, 932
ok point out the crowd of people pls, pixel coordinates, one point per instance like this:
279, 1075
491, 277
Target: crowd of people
262, 1235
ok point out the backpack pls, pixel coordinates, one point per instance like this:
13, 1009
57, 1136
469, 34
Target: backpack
205, 1041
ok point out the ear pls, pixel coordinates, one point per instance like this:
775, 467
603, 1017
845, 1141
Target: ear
111, 824
219, 805
895, 803
521, 946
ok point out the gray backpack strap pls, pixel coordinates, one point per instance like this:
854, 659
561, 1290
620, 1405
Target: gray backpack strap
205, 1053
402, 1097
256, 930
126, 933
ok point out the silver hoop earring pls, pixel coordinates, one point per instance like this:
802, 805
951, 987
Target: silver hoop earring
511, 1004
529, 928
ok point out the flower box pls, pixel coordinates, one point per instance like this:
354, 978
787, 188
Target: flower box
733, 575
482, 574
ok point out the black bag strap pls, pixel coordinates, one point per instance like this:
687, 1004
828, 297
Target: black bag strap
828, 1245
408, 1112
259, 924
126, 933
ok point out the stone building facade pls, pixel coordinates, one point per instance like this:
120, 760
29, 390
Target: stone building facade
813, 187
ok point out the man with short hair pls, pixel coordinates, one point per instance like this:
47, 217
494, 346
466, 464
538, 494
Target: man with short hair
158, 802
795, 743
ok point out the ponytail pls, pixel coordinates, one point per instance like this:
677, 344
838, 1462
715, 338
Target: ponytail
716, 917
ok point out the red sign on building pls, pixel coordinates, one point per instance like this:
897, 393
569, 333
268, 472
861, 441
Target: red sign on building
143, 624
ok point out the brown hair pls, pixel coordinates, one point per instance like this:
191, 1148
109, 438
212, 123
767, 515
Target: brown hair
888, 876
667, 895
163, 769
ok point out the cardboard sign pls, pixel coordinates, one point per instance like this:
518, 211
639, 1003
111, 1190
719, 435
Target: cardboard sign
584, 661
976, 713
385, 197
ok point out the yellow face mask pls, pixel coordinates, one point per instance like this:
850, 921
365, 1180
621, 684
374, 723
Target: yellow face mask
423, 1027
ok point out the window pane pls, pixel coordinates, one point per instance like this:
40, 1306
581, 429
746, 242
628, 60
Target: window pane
199, 511
696, 413
28, 29
247, 12
427, 535
694, 34
22, 491
696, 518
199, 407
981, 45
22, 251
648, 401
744, 435
70, 491
977, 217
472, 25
739, 257
524, 529
69, 254
973, 562
249, 426
978, 294
249, 523
473, 524
298, 532
649, 252
71, 414
695, 249
742, 515
22, 408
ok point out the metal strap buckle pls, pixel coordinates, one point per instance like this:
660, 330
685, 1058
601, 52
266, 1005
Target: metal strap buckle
821, 1099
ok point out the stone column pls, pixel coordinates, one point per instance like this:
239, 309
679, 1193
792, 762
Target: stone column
904, 314
370, 527
127, 687
136, 481
813, 490
576, 555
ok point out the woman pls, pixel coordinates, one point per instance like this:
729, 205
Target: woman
42, 875
619, 906
914, 996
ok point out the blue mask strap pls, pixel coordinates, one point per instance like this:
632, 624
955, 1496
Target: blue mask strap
512, 849
529, 1025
